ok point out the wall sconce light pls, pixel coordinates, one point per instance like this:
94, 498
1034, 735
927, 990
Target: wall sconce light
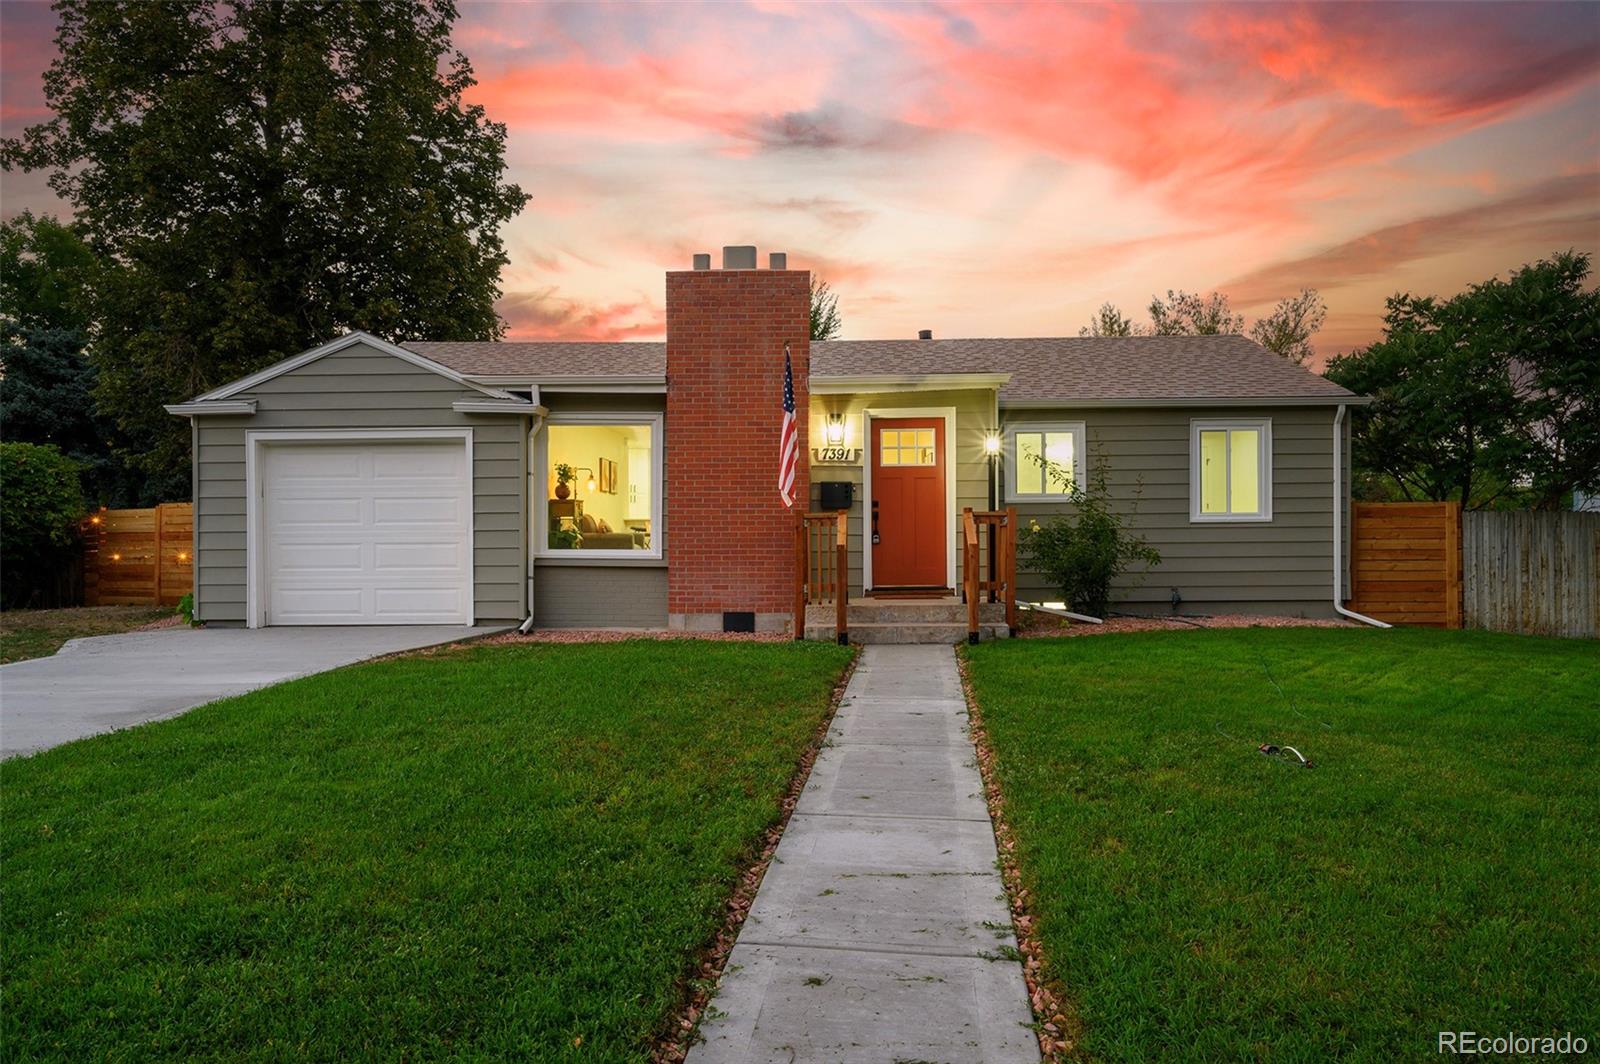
183, 555
991, 444
835, 430
116, 557
94, 520
590, 483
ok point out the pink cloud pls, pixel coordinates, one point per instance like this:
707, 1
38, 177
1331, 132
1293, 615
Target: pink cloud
1563, 211
547, 315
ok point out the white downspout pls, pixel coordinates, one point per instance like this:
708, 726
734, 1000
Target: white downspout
534, 426
1338, 527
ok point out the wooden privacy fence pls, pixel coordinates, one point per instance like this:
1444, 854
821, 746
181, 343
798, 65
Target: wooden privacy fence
1533, 573
139, 557
1405, 562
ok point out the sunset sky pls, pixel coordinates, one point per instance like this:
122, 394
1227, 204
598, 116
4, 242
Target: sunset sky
1001, 171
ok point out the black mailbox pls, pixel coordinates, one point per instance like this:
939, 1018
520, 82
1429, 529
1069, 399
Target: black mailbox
837, 494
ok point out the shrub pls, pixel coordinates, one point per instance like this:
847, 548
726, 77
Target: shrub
186, 610
41, 502
1082, 551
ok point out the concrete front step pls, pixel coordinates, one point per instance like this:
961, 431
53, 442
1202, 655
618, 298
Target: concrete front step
902, 632
905, 621
938, 611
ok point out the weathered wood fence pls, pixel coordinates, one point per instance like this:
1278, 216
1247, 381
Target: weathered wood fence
139, 557
1405, 562
1534, 573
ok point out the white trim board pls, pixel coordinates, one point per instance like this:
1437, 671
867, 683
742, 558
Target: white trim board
948, 413
642, 383
219, 406
255, 607
294, 362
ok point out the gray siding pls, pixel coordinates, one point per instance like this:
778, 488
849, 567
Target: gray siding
974, 415
1282, 566
600, 596
361, 387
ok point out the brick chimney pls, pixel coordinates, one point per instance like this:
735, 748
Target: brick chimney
730, 539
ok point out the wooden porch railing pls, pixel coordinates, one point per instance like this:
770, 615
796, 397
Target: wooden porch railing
1001, 583
822, 570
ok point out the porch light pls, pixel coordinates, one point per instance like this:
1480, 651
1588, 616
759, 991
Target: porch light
835, 430
991, 444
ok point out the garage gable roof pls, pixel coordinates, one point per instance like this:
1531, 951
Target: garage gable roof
294, 362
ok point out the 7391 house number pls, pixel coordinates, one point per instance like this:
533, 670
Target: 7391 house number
835, 455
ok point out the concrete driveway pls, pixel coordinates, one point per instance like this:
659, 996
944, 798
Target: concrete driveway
114, 681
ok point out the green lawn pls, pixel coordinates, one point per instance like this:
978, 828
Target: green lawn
39, 633
1439, 868
493, 853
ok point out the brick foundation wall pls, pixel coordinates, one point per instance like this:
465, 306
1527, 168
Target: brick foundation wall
730, 539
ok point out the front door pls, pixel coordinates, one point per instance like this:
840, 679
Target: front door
908, 503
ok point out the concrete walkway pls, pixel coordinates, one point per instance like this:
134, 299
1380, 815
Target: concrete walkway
880, 930
114, 681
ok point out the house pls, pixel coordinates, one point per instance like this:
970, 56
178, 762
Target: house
635, 484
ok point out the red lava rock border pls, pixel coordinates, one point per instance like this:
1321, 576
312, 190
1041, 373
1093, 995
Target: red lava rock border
1036, 625
700, 981
1058, 1027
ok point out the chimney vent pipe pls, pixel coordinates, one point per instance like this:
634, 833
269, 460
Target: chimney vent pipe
739, 257
702, 260
924, 334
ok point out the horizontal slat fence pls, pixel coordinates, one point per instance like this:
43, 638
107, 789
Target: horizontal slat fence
139, 557
1405, 562
1533, 573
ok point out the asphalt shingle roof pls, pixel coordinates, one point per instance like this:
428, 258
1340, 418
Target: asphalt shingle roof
1043, 369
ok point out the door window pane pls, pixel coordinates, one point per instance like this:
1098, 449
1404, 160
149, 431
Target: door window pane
906, 447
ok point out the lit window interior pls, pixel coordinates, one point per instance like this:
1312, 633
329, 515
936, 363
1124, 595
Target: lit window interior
600, 487
1230, 471
1036, 451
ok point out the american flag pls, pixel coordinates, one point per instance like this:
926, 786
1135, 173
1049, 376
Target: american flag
789, 445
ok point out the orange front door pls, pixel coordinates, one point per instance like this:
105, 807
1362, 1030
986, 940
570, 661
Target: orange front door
908, 503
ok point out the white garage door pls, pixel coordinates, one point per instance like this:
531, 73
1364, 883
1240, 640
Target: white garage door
367, 532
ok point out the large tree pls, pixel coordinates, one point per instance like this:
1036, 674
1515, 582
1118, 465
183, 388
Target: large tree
1109, 321
46, 378
262, 176
1288, 330
825, 318
1191, 314
1490, 397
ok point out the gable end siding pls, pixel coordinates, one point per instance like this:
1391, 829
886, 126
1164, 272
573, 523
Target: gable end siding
359, 388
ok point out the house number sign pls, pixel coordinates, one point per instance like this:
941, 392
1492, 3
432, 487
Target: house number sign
835, 455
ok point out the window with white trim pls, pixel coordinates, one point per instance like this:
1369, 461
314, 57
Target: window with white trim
1044, 460
1230, 469
599, 486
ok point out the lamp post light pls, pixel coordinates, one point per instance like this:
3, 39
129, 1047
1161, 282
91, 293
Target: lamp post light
991, 450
